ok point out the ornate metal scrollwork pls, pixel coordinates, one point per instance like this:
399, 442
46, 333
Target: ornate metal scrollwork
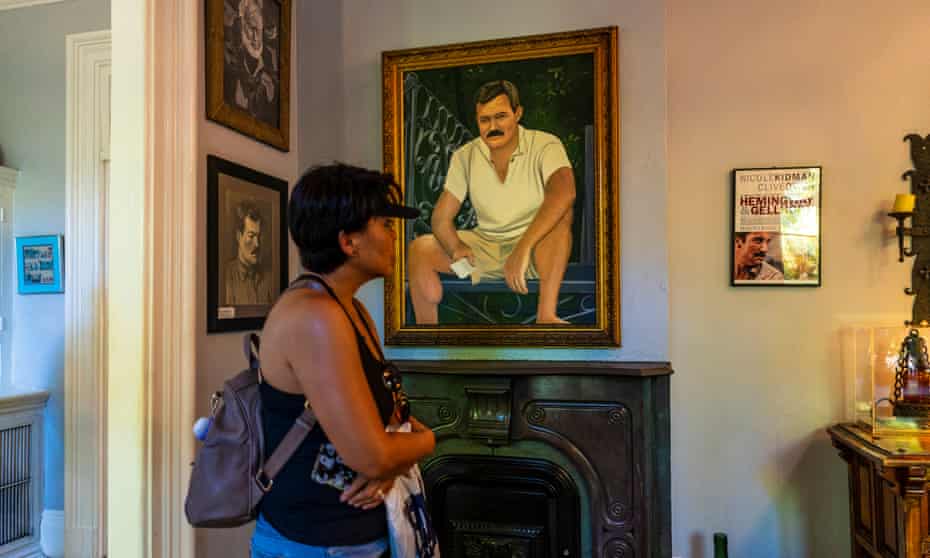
618, 548
616, 510
618, 416
432, 134
919, 248
445, 414
535, 415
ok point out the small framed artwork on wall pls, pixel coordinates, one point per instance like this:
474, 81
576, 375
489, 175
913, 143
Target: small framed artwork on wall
246, 245
776, 228
38, 264
248, 54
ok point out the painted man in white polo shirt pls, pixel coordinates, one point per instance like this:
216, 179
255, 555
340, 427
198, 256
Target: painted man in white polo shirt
521, 185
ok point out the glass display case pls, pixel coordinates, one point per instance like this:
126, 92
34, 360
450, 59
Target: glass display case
887, 374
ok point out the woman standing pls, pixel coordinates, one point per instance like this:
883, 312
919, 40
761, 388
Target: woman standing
319, 347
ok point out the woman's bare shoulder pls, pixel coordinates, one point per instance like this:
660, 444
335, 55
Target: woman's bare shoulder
300, 310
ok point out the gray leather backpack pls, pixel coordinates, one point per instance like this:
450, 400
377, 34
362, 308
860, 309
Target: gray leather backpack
230, 475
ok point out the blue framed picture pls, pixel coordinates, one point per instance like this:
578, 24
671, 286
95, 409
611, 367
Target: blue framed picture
38, 264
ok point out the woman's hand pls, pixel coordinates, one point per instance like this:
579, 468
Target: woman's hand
366, 493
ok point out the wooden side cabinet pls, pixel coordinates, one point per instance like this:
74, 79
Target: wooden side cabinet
889, 492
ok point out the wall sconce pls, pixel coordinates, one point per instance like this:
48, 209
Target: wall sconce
916, 207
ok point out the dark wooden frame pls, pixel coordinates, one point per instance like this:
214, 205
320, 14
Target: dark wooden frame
733, 203
232, 117
602, 45
215, 167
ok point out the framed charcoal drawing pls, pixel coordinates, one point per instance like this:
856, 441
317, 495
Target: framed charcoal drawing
776, 231
510, 149
246, 245
248, 54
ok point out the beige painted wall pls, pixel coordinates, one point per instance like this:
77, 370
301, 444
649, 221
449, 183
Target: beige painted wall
219, 355
754, 83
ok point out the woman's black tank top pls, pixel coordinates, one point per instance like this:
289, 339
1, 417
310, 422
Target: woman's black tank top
300, 508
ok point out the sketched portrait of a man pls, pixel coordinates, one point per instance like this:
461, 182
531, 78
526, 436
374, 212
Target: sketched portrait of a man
252, 73
246, 277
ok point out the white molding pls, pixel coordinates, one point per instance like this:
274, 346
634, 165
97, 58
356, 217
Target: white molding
154, 226
8, 177
87, 137
27, 548
171, 200
53, 533
21, 401
12, 4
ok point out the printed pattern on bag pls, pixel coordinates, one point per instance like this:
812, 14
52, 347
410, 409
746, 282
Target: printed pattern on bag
415, 507
330, 469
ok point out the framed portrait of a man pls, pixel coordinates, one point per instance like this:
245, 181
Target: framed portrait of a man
246, 245
248, 67
510, 149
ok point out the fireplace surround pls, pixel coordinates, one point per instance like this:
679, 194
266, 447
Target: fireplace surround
543, 459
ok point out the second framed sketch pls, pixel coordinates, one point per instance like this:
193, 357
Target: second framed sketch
246, 245
248, 55
776, 227
510, 149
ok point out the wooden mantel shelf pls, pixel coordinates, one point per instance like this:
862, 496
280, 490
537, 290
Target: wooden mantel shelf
535, 367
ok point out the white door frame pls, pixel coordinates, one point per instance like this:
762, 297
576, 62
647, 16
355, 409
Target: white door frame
87, 148
153, 224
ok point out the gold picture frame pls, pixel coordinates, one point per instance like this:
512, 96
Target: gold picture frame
248, 68
568, 85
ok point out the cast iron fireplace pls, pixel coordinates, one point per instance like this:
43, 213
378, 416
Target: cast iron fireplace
485, 506
546, 459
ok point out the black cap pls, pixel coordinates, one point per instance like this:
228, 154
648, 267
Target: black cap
389, 209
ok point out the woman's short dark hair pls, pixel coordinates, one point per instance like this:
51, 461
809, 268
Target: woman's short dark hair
332, 198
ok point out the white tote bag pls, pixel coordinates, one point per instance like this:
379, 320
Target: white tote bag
409, 526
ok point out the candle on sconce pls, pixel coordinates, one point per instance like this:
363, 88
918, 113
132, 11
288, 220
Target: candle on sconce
904, 203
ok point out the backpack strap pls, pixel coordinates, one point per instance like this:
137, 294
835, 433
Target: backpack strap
251, 345
289, 444
307, 420
358, 309
301, 428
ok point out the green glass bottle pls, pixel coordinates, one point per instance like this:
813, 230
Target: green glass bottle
720, 545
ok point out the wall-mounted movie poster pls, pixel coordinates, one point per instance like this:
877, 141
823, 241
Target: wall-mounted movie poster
776, 238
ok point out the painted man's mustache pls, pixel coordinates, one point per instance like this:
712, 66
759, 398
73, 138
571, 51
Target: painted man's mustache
495, 133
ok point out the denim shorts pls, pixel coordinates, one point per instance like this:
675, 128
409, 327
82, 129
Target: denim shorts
267, 542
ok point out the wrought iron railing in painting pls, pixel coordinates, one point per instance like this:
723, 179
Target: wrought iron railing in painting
432, 134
